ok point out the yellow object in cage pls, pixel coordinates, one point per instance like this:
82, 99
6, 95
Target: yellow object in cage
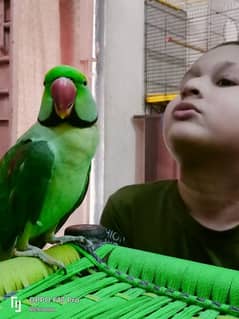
157, 98
168, 4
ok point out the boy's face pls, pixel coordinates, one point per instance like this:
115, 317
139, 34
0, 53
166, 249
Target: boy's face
207, 111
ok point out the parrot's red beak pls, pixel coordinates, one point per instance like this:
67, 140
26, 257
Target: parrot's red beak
63, 92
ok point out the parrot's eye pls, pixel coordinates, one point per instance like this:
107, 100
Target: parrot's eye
44, 83
85, 83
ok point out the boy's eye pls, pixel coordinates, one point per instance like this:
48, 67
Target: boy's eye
225, 82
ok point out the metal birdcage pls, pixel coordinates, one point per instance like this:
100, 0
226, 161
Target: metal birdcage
177, 33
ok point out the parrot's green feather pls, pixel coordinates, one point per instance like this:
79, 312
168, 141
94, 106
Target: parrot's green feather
66, 71
77, 203
27, 164
46, 106
84, 113
45, 175
36, 171
85, 107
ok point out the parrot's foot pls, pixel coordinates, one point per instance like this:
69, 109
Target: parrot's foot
33, 251
81, 240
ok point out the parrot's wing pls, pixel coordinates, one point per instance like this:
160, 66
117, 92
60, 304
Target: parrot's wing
40, 240
25, 172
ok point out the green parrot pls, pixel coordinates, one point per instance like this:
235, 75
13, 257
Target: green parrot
44, 176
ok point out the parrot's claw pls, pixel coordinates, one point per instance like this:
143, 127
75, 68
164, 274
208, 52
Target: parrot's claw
33, 251
80, 240
68, 239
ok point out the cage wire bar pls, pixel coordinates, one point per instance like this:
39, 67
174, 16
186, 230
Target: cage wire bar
177, 33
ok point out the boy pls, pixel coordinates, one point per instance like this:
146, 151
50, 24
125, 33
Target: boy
196, 217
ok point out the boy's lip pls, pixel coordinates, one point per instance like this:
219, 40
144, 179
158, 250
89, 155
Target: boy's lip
184, 106
184, 111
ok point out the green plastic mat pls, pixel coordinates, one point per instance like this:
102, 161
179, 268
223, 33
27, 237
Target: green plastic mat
125, 283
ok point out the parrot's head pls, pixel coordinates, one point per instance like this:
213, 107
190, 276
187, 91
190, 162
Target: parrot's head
66, 98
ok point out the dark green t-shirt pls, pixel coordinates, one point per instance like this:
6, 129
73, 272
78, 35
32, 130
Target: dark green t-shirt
153, 217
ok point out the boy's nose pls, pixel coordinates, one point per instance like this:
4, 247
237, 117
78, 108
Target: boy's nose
189, 92
191, 88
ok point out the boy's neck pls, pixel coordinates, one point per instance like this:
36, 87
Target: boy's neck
212, 195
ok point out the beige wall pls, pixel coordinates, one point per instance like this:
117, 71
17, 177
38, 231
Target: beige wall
120, 90
44, 34
35, 49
